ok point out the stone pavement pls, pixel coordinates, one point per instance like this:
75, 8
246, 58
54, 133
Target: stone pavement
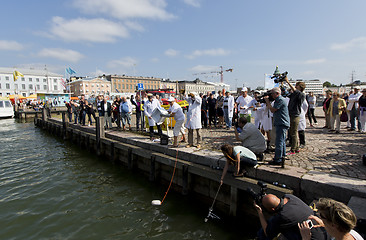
326, 152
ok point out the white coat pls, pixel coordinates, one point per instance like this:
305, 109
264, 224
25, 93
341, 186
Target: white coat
194, 113
302, 122
231, 105
267, 118
149, 108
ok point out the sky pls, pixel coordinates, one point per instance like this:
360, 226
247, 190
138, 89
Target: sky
183, 39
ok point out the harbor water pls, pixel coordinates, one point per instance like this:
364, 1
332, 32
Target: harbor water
51, 189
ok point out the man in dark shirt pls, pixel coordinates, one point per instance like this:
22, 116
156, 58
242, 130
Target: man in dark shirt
288, 212
212, 109
297, 97
281, 121
204, 110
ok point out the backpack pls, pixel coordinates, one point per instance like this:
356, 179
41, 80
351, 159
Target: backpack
125, 108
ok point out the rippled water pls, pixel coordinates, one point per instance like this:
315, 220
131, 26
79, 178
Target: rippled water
53, 190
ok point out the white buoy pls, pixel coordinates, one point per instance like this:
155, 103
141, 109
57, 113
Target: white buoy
156, 202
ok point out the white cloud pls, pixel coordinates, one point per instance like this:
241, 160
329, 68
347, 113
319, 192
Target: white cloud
194, 3
209, 52
126, 62
62, 54
356, 43
90, 30
171, 52
10, 45
315, 61
204, 68
150, 9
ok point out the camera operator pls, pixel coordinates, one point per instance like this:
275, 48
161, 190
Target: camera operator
281, 121
288, 212
251, 137
297, 97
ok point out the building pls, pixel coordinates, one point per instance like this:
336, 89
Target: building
220, 86
90, 87
34, 81
347, 88
315, 86
123, 83
166, 83
197, 86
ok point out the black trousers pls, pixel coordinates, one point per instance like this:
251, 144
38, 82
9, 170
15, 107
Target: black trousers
311, 115
151, 128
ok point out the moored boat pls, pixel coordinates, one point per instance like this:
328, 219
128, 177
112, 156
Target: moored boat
6, 108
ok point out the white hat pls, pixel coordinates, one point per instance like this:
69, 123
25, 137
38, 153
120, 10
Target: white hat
244, 89
171, 99
150, 95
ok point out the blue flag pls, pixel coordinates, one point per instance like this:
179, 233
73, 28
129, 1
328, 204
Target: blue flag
117, 90
70, 71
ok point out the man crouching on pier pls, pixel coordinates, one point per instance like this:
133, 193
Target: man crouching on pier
288, 212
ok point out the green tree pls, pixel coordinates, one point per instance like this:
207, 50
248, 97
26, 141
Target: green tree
327, 84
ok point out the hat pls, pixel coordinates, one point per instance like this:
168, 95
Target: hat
244, 89
194, 93
171, 99
258, 92
149, 94
357, 87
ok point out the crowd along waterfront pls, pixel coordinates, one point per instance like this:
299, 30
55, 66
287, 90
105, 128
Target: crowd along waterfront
51, 189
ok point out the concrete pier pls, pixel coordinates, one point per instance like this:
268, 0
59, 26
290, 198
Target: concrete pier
196, 172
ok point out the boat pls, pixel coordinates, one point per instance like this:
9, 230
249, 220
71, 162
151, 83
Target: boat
6, 108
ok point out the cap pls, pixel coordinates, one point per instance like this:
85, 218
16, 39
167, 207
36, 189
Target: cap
194, 93
171, 99
257, 92
149, 95
244, 89
357, 87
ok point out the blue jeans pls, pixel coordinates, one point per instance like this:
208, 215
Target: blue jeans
353, 115
228, 120
280, 151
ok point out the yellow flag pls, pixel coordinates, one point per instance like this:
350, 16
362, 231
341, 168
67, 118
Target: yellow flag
16, 74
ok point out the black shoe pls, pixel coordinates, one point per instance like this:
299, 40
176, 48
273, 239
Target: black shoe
275, 163
302, 145
260, 157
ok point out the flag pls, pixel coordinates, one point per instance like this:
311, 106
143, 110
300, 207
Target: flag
70, 71
16, 74
63, 83
229, 70
117, 90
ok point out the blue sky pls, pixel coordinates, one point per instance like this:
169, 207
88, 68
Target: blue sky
176, 39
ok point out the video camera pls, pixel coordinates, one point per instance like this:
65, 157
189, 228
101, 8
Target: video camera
261, 99
258, 196
279, 77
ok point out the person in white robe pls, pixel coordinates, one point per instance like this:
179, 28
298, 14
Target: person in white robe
194, 118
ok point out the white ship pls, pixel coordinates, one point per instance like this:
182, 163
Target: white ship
6, 108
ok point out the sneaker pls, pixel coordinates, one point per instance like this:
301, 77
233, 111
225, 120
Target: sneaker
291, 153
302, 145
188, 146
198, 146
331, 130
316, 123
311, 125
351, 129
297, 151
336, 131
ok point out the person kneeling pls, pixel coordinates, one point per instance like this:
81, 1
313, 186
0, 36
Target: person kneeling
251, 137
237, 156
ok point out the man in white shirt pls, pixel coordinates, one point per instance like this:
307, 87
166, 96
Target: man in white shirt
353, 109
176, 111
228, 107
242, 103
149, 108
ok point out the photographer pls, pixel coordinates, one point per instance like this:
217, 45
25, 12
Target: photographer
251, 137
281, 121
297, 97
288, 212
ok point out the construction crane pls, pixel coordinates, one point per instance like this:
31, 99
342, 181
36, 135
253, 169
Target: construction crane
221, 73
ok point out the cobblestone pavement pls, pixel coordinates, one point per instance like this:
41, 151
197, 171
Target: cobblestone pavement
339, 154
327, 152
